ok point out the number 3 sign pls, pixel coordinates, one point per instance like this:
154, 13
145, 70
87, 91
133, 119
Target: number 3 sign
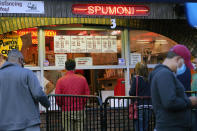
113, 22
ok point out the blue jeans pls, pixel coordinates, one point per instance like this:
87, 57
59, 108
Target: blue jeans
144, 115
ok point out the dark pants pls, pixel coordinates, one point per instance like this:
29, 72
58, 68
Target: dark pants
141, 124
194, 120
173, 129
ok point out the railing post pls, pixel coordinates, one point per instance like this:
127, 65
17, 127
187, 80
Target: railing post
104, 120
47, 120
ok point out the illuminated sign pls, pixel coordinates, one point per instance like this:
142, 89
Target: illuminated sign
34, 34
9, 42
109, 9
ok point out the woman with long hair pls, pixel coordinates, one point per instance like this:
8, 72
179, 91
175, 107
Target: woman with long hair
144, 105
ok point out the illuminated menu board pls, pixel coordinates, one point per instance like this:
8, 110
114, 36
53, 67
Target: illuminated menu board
109, 44
85, 44
62, 44
93, 44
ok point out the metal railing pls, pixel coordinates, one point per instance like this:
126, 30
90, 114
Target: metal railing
74, 113
117, 115
88, 113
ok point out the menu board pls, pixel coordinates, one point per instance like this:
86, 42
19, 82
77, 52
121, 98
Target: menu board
60, 59
109, 44
62, 44
93, 44
78, 44
85, 44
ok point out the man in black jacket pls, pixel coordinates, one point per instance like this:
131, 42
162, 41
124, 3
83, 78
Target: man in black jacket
171, 105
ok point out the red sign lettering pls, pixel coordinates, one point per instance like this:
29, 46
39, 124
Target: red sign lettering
108, 9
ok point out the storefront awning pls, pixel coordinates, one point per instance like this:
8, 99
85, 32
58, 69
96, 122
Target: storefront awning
8, 24
169, 28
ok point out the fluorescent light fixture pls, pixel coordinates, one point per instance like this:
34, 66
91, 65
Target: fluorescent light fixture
161, 40
142, 42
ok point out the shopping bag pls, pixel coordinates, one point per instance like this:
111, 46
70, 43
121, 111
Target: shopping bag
133, 111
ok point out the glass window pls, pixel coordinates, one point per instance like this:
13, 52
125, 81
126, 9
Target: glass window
98, 80
29, 45
92, 47
148, 47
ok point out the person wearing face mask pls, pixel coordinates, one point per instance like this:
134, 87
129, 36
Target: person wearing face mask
172, 107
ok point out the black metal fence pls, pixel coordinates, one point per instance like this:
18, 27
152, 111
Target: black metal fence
74, 113
118, 115
88, 113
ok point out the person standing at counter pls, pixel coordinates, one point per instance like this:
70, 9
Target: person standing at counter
73, 114
20, 95
141, 71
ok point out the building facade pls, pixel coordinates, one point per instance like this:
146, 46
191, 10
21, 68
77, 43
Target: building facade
106, 38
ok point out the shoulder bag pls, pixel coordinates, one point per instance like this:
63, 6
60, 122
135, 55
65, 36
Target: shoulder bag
133, 110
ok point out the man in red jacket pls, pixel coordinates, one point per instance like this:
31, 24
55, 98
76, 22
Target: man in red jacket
73, 115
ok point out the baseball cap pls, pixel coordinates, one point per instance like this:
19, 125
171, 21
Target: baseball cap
184, 52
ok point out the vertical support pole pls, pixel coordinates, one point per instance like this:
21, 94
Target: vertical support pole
41, 58
123, 45
127, 59
47, 119
41, 52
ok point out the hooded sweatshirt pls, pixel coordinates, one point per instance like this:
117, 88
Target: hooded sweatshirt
171, 105
20, 93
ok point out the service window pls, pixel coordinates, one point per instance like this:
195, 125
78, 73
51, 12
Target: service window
87, 47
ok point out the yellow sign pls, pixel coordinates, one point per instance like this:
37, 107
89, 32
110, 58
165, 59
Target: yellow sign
8, 42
